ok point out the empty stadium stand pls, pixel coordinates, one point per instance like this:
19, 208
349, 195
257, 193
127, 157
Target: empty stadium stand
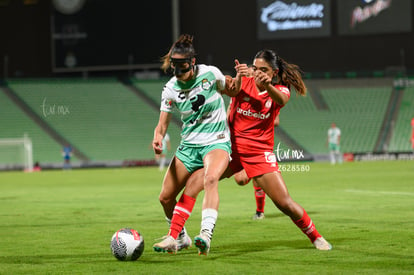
101, 117
14, 123
356, 106
109, 119
401, 134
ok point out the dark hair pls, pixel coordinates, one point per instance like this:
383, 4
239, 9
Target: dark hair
289, 74
183, 45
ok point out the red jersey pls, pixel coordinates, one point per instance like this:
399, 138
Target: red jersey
251, 118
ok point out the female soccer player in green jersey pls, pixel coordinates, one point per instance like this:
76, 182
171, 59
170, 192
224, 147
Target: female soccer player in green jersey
195, 91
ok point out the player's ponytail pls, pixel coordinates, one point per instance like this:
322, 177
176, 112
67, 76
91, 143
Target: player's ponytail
291, 75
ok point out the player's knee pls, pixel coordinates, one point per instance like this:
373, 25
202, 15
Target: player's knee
165, 200
241, 178
210, 181
242, 181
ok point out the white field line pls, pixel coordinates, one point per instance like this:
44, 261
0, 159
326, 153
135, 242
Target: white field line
371, 192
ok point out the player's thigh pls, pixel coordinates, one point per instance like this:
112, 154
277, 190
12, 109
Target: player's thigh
216, 159
175, 179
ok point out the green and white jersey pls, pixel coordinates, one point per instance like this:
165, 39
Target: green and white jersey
334, 135
201, 106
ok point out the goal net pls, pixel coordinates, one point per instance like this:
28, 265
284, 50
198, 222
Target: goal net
16, 153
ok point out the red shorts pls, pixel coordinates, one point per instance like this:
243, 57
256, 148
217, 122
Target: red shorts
255, 163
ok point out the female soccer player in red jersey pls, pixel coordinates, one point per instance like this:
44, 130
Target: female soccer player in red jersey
251, 118
241, 177
253, 111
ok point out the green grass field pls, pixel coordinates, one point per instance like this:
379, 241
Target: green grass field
61, 222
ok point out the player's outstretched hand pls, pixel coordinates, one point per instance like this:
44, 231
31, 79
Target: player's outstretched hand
241, 69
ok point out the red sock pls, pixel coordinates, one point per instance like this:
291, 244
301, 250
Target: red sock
182, 212
260, 196
307, 226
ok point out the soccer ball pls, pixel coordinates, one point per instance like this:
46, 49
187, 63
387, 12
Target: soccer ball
127, 244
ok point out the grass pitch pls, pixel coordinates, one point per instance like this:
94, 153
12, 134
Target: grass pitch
61, 222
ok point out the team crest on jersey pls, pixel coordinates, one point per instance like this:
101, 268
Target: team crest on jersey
270, 158
268, 104
205, 84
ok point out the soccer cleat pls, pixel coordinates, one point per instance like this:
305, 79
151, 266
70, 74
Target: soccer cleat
168, 244
183, 241
258, 216
202, 242
322, 244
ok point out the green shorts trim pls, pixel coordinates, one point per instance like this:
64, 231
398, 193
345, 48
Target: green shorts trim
192, 157
334, 147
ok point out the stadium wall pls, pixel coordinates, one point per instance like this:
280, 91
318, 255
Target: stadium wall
224, 30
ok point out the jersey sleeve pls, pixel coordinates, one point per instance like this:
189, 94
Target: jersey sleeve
220, 78
166, 100
283, 89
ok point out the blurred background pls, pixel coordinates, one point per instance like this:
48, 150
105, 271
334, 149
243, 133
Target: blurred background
85, 74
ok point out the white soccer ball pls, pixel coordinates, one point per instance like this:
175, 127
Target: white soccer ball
127, 244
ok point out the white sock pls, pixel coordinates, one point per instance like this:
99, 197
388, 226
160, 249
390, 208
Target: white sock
332, 156
162, 163
208, 220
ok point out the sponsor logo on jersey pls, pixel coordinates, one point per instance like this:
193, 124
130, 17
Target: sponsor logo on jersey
186, 94
168, 102
252, 114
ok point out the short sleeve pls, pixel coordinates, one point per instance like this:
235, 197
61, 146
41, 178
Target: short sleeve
166, 100
283, 89
220, 78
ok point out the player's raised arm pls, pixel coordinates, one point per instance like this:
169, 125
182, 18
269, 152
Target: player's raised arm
233, 85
